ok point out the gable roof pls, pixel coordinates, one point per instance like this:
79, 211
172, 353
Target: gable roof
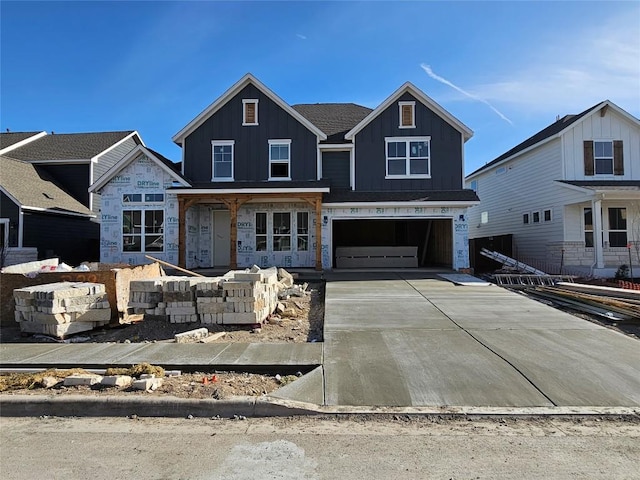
554, 130
33, 189
163, 162
12, 140
466, 132
334, 119
229, 94
70, 146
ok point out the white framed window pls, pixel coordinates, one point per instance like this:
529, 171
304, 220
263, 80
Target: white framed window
525, 218
603, 157
249, 111
222, 167
547, 215
587, 215
407, 114
281, 231
279, 159
142, 230
535, 217
617, 226
474, 185
302, 229
408, 157
261, 231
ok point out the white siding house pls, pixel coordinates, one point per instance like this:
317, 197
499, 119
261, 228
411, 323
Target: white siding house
569, 195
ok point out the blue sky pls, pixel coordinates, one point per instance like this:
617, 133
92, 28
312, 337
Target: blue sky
505, 69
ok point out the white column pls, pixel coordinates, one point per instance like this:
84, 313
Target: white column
597, 232
20, 227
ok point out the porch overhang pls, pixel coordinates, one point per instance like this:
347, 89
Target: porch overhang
604, 190
233, 199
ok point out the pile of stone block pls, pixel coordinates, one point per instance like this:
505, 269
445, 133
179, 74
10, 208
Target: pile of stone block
238, 297
63, 308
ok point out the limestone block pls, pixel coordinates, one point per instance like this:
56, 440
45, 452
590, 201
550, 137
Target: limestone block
192, 335
147, 384
116, 381
82, 379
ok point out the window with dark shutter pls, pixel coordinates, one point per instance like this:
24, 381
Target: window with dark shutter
618, 161
588, 157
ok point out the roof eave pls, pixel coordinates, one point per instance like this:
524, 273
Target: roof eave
179, 137
466, 132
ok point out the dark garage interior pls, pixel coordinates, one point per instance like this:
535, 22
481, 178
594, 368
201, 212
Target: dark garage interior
433, 237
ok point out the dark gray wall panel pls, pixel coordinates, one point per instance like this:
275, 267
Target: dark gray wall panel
251, 151
446, 151
10, 210
336, 167
72, 239
74, 179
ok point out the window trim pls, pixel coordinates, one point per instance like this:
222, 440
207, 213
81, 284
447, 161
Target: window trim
143, 228
544, 215
220, 143
283, 141
302, 235
411, 104
533, 217
526, 218
245, 102
274, 234
407, 141
266, 231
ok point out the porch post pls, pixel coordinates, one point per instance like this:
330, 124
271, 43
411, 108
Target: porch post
598, 232
233, 257
318, 205
182, 234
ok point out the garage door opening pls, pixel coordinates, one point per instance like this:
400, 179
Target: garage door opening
432, 241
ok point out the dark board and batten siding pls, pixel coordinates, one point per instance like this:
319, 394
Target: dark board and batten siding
336, 167
251, 149
446, 151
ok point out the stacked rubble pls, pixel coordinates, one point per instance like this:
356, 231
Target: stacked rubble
63, 308
145, 296
178, 294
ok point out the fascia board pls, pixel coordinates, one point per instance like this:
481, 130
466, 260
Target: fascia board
466, 132
58, 212
22, 143
229, 94
119, 142
456, 204
292, 191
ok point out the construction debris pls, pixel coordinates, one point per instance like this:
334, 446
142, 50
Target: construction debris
63, 308
511, 262
238, 297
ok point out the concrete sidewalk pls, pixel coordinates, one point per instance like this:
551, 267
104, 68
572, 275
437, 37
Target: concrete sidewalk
405, 340
249, 357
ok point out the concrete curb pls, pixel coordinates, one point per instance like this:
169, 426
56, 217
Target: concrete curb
168, 406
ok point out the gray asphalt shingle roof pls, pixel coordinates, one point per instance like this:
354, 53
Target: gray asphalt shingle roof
68, 146
34, 188
11, 138
334, 119
547, 132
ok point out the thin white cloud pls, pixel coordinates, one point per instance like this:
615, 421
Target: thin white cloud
440, 79
572, 73
300, 36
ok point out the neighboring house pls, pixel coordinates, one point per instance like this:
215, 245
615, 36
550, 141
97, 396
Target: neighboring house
139, 210
38, 219
569, 195
75, 160
71, 162
267, 183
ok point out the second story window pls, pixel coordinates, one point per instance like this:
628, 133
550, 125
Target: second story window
222, 168
603, 157
407, 114
249, 111
279, 159
408, 157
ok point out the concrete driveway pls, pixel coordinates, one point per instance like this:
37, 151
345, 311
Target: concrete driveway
411, 339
